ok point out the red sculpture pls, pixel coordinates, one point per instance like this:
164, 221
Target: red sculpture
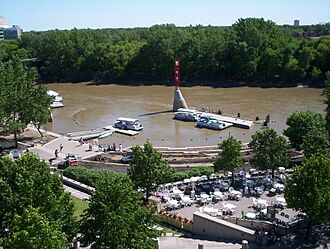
177, 73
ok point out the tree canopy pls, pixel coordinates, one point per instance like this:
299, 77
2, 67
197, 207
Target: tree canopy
21, 100
308, 189
34, 231
300, 123
28, 189
230, 156
148, 168
116, 217
251, 50
326, 93
270, 150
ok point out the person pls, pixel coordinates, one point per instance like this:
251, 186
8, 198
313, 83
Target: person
56, 153
114, 147
120, 148
81, 141
61, 147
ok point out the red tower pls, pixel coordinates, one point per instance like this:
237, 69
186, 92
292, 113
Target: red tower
177, 73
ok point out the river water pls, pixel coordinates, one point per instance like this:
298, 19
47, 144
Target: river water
90, 106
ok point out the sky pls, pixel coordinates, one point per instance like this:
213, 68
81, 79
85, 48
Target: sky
43, 15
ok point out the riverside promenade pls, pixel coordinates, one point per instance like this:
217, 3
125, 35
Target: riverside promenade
47, 151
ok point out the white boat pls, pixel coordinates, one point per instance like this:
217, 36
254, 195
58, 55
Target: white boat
56, 96
187, 115
56, 104
128, 124
86, 135
56, 99
206, 121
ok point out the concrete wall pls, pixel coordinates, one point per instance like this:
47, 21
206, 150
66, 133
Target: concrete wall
215, 228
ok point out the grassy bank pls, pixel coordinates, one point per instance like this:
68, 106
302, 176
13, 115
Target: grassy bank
80, 206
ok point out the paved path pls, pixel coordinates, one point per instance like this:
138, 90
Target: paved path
47, 151
76, 193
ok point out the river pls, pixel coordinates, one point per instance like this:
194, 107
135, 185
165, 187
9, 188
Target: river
90, 106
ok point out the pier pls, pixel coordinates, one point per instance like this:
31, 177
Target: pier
237, 122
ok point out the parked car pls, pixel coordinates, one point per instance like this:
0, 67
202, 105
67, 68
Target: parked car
69, 160
224, 185
15, 154
127, 158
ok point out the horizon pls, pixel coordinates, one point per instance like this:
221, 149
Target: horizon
38, 15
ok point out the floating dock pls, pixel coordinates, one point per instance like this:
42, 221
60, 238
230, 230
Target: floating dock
125, 132
237, 122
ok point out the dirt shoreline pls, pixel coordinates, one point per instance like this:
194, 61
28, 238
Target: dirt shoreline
28, 138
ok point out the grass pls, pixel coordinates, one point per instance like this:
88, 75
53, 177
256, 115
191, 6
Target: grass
80, 206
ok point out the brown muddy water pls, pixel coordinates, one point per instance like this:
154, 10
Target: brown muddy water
90, 106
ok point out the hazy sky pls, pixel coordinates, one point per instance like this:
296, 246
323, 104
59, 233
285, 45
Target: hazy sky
67, 14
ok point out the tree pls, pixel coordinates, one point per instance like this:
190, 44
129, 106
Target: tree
316, 142
34, 231
148, 168
28, 182
300, 123
116, 218
308, 190
21, 100
270, 150
326, 93
230, 156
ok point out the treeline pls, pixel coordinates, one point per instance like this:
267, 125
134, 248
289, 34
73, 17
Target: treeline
252, 50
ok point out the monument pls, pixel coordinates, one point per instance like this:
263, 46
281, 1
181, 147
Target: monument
178, 101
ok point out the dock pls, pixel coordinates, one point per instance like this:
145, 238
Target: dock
125, 132
237, 122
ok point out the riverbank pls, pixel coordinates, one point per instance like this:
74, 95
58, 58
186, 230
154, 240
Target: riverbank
214, 84
28, 138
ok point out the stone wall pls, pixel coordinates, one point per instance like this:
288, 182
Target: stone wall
215, 228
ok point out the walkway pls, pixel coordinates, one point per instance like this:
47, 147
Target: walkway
47, 151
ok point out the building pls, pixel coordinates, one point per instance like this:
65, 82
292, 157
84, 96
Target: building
9, 33
12, 33
296, 23
1, 34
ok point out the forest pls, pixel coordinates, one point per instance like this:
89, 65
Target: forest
253, 51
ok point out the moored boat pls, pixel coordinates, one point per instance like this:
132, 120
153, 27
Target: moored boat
206, 121
187, 115
86, 135
56, 99
128, 124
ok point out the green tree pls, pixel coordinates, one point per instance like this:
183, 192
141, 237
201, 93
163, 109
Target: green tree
270, 150
308, 190
300, 123
28, 182
148, 168
326, 93
116, 217
316, 142
34, 231
230, 156
21, 100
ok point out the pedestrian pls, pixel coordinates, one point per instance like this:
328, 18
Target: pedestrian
61, 147
120, 148
81, 141
56, 153
114, 147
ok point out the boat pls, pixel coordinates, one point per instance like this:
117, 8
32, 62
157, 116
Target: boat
56, 96
128, 124
56, 104
86, 135
56, 99
187, 115
206, 121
